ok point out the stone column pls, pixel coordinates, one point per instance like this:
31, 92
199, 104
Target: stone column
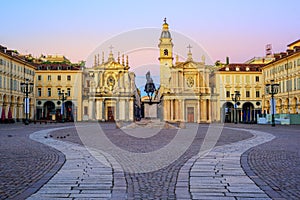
199, 112
183, 110
126, 110
203, 110
117, 117
180, 111
131, 110
208, 108
91, 109
103, 110
98, 113
171, 110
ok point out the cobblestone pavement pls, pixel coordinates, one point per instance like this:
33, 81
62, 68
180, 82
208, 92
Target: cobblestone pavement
275, 165
272, 166
82, 175
218, 174
25, 164
160, 184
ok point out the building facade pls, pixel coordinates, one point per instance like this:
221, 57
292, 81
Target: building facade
109, 91
284, 70
248, 81
14, 70
58, 89
184, 90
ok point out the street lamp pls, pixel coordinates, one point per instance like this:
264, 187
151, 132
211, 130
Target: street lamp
26, 88
235, 97
272, 88
63, 97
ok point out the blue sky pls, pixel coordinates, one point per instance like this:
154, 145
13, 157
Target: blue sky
238, 29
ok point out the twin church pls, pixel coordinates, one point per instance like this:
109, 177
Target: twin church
184, 95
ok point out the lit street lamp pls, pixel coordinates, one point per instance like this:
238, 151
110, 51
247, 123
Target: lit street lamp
272, 88
235, 97
63, 97
26, 88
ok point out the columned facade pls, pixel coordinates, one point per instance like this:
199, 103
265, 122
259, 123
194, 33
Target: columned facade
184, 89
111, 94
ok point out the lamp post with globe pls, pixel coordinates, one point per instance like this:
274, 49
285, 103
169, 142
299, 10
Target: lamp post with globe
272, 89
26, 88
235, 97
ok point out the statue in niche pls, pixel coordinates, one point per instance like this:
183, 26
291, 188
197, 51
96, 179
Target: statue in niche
150, 86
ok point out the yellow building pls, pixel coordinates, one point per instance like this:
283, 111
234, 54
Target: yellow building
247, 80
109, 91
14, 70
56, 75
184, 86
285, 70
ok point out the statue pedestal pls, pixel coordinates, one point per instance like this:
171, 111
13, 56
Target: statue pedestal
151, 109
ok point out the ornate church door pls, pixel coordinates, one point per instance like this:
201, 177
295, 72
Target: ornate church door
190, 114
110, 114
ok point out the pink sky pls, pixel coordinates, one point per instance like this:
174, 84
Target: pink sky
238, 29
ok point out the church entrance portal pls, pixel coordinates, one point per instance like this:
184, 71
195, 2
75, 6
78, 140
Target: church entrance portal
190, 114
110, 114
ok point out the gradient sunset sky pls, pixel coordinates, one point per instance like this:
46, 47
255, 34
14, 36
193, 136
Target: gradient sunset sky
75, 28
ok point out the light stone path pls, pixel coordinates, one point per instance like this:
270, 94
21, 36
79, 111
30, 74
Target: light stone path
214, 175
82, 176
218, 173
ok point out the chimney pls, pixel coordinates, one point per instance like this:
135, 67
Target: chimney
227, 60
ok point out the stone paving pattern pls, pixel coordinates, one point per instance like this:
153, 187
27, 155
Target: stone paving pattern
82, 175
272, 166
25, 164
159, 184
218, 174
275, 165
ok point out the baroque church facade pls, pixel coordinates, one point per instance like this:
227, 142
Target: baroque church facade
185, 91
184, 95
109, 91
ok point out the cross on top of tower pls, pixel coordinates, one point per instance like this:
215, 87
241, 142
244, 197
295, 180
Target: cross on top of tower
189, 47
165, 20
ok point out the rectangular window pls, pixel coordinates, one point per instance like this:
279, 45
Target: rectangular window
227, 94
0, 81
247, 94
58, 91
39, 77
85, 110
257, 78
49, 92
39, 92
257, 94
58, 77
68, 77
49, 77
295, 84
289, 85
298, 83
69, 92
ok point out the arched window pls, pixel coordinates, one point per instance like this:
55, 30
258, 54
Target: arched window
166, 52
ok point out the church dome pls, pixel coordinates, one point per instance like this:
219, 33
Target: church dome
165, 34
165, 30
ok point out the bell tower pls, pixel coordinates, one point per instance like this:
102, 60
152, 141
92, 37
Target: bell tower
165, 55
